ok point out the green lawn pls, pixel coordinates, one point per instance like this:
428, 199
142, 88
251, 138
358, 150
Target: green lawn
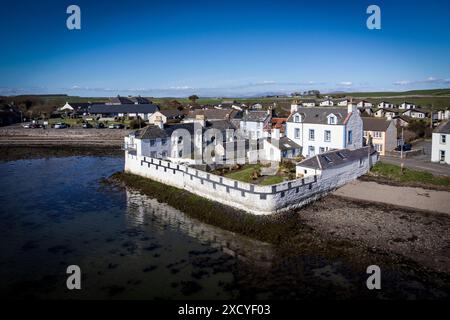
393, 172
269, 180
244, 174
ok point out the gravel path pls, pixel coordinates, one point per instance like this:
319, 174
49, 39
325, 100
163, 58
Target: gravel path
409, 197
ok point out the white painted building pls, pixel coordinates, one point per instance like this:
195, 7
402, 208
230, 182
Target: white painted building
337, 162
319, 130
326, 103
443, 115
254, 123
364, 104
414, 113
343, 103
440, 145
385, 104
407, 105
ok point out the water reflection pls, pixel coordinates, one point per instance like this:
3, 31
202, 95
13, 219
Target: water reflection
141, 209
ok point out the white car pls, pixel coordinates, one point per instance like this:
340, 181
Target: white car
60, 126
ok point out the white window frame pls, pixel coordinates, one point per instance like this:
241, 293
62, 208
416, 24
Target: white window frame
311, 135
325, 136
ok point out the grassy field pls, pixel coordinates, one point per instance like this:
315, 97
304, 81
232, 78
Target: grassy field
45, 104
393, 172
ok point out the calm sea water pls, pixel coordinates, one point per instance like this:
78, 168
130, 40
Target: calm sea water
56, 212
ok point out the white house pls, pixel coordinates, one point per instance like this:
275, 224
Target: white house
308, 103
443, 115
440, 145
319, 130
166, 116
144, 111
407, 105
343, 103
326, 103
414, 113
386, 113
254, 123
177, 142
277, 149
337, 162
386, 105
364, 104
79, 107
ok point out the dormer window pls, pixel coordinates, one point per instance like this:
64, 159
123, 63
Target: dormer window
297, 118
332, 119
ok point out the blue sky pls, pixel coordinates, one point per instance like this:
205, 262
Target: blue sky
222, 48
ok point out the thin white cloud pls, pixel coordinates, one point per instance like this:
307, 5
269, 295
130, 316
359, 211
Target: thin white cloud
345, 83
429, 80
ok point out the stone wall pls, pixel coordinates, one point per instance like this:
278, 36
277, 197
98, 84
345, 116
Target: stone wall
252, 198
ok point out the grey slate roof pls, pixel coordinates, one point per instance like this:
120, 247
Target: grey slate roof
172, 113
443, 128
375, 124
213, 114
124, 108
151, 132
335, 158
256, 116
319, 115
284, 144
154, 132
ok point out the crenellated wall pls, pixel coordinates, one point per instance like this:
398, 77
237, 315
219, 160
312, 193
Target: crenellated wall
245, 196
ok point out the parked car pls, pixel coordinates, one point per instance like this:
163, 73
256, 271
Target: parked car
60, 125
99, 125
87, 125
32, 126
116, 126
405, 147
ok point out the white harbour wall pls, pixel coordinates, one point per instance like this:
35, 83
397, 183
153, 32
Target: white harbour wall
255, 199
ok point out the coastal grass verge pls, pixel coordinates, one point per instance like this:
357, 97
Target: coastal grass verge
392, 174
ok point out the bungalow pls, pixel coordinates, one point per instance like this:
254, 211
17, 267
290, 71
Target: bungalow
308, 103
386, 113
402, 121
336, 162
383, 134
386, 105
364, 104
318, 130
130, 100
414, 113
326, 103
407, 105
144, 111
76, 107
343, 103
166, 116
440, 144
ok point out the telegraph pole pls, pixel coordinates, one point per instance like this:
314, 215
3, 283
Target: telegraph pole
401, 153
